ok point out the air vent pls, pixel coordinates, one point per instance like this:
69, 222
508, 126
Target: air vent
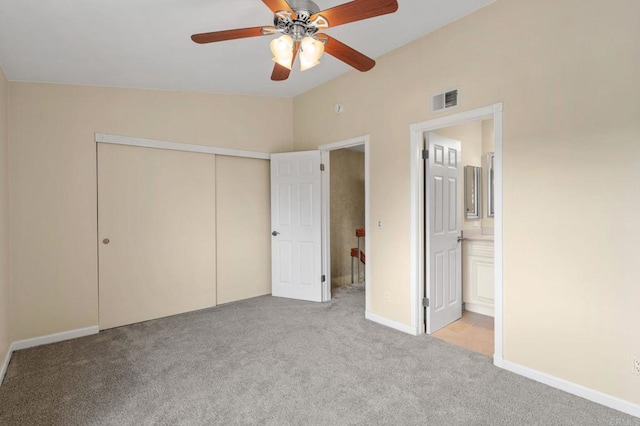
444, 101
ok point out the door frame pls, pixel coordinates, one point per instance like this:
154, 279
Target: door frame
417, 174
325, 151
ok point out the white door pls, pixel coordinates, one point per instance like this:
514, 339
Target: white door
296, 226
157, 233
444, 252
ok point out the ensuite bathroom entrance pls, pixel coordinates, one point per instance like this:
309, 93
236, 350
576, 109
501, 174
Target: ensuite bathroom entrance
458, 232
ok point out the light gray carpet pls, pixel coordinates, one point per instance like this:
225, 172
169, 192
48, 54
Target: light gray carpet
273, 361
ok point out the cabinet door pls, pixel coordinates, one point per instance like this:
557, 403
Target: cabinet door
479, 283
156, 233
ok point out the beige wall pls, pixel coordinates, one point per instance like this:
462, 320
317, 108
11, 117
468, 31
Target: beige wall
567, 73
53, 180
5, 332
347, 212
243, 211
470, 136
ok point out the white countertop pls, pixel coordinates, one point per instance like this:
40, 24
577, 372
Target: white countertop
484, 234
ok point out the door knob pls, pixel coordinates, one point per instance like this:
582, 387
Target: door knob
106, 241
275, 233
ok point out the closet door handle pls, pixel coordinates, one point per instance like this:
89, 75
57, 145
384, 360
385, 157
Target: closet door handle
275, 233
106, 241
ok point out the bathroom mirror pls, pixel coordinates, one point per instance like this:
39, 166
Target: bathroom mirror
473, 192
490, 210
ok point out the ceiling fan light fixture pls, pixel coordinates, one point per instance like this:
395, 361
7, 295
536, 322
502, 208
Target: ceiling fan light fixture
311, 50
305, 65
298, 24
282, 49
284, 61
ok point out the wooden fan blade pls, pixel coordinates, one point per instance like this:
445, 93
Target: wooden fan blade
228, 35
357, 10
281, 73
347, 54
277, 5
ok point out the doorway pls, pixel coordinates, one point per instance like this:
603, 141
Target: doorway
423, 283
459, 234
345, 205
347, 231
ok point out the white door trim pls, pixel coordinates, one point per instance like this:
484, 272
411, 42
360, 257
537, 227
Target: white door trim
174, 146
417, 212
326, 209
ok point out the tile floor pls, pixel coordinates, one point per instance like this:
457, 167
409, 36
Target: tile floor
473, 331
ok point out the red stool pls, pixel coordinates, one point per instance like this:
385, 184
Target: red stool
356, 253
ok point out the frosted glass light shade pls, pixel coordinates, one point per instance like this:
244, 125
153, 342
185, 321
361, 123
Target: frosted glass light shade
282, 49
305, 65
310, 52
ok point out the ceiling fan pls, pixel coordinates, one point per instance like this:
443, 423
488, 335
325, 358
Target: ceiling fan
298, 22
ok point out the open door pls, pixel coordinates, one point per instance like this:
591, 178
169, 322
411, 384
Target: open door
444, 250
296, 242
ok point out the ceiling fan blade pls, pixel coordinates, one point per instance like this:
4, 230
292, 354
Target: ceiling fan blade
281, 73
228, 35
347, 54
357, 10
277, 5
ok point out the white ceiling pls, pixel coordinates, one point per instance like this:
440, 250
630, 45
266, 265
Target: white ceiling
146, 43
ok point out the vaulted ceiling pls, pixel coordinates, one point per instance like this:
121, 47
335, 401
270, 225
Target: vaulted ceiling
146, 43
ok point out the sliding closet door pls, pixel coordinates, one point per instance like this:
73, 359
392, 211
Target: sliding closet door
156, 233
244, 228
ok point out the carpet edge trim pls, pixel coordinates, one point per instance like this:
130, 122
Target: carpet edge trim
592, 395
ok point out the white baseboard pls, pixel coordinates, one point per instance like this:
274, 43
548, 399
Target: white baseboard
569, 387
5, 364
479, 309
395, 325
54, 338
44, 340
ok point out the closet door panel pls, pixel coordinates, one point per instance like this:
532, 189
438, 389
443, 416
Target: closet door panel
244, 228
156, 233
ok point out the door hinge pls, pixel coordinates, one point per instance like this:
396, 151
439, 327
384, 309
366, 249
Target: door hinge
322, 167
425, 302
324, 278
425, 154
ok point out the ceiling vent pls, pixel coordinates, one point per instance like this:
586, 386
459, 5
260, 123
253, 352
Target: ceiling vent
444, 101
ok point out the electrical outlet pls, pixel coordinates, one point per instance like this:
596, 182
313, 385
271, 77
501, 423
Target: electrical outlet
636, 365
387, 296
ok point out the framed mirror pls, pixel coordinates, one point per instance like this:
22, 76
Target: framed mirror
490, 194
473, 192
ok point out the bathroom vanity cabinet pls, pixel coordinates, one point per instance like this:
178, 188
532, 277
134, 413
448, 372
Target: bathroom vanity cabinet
478, 275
